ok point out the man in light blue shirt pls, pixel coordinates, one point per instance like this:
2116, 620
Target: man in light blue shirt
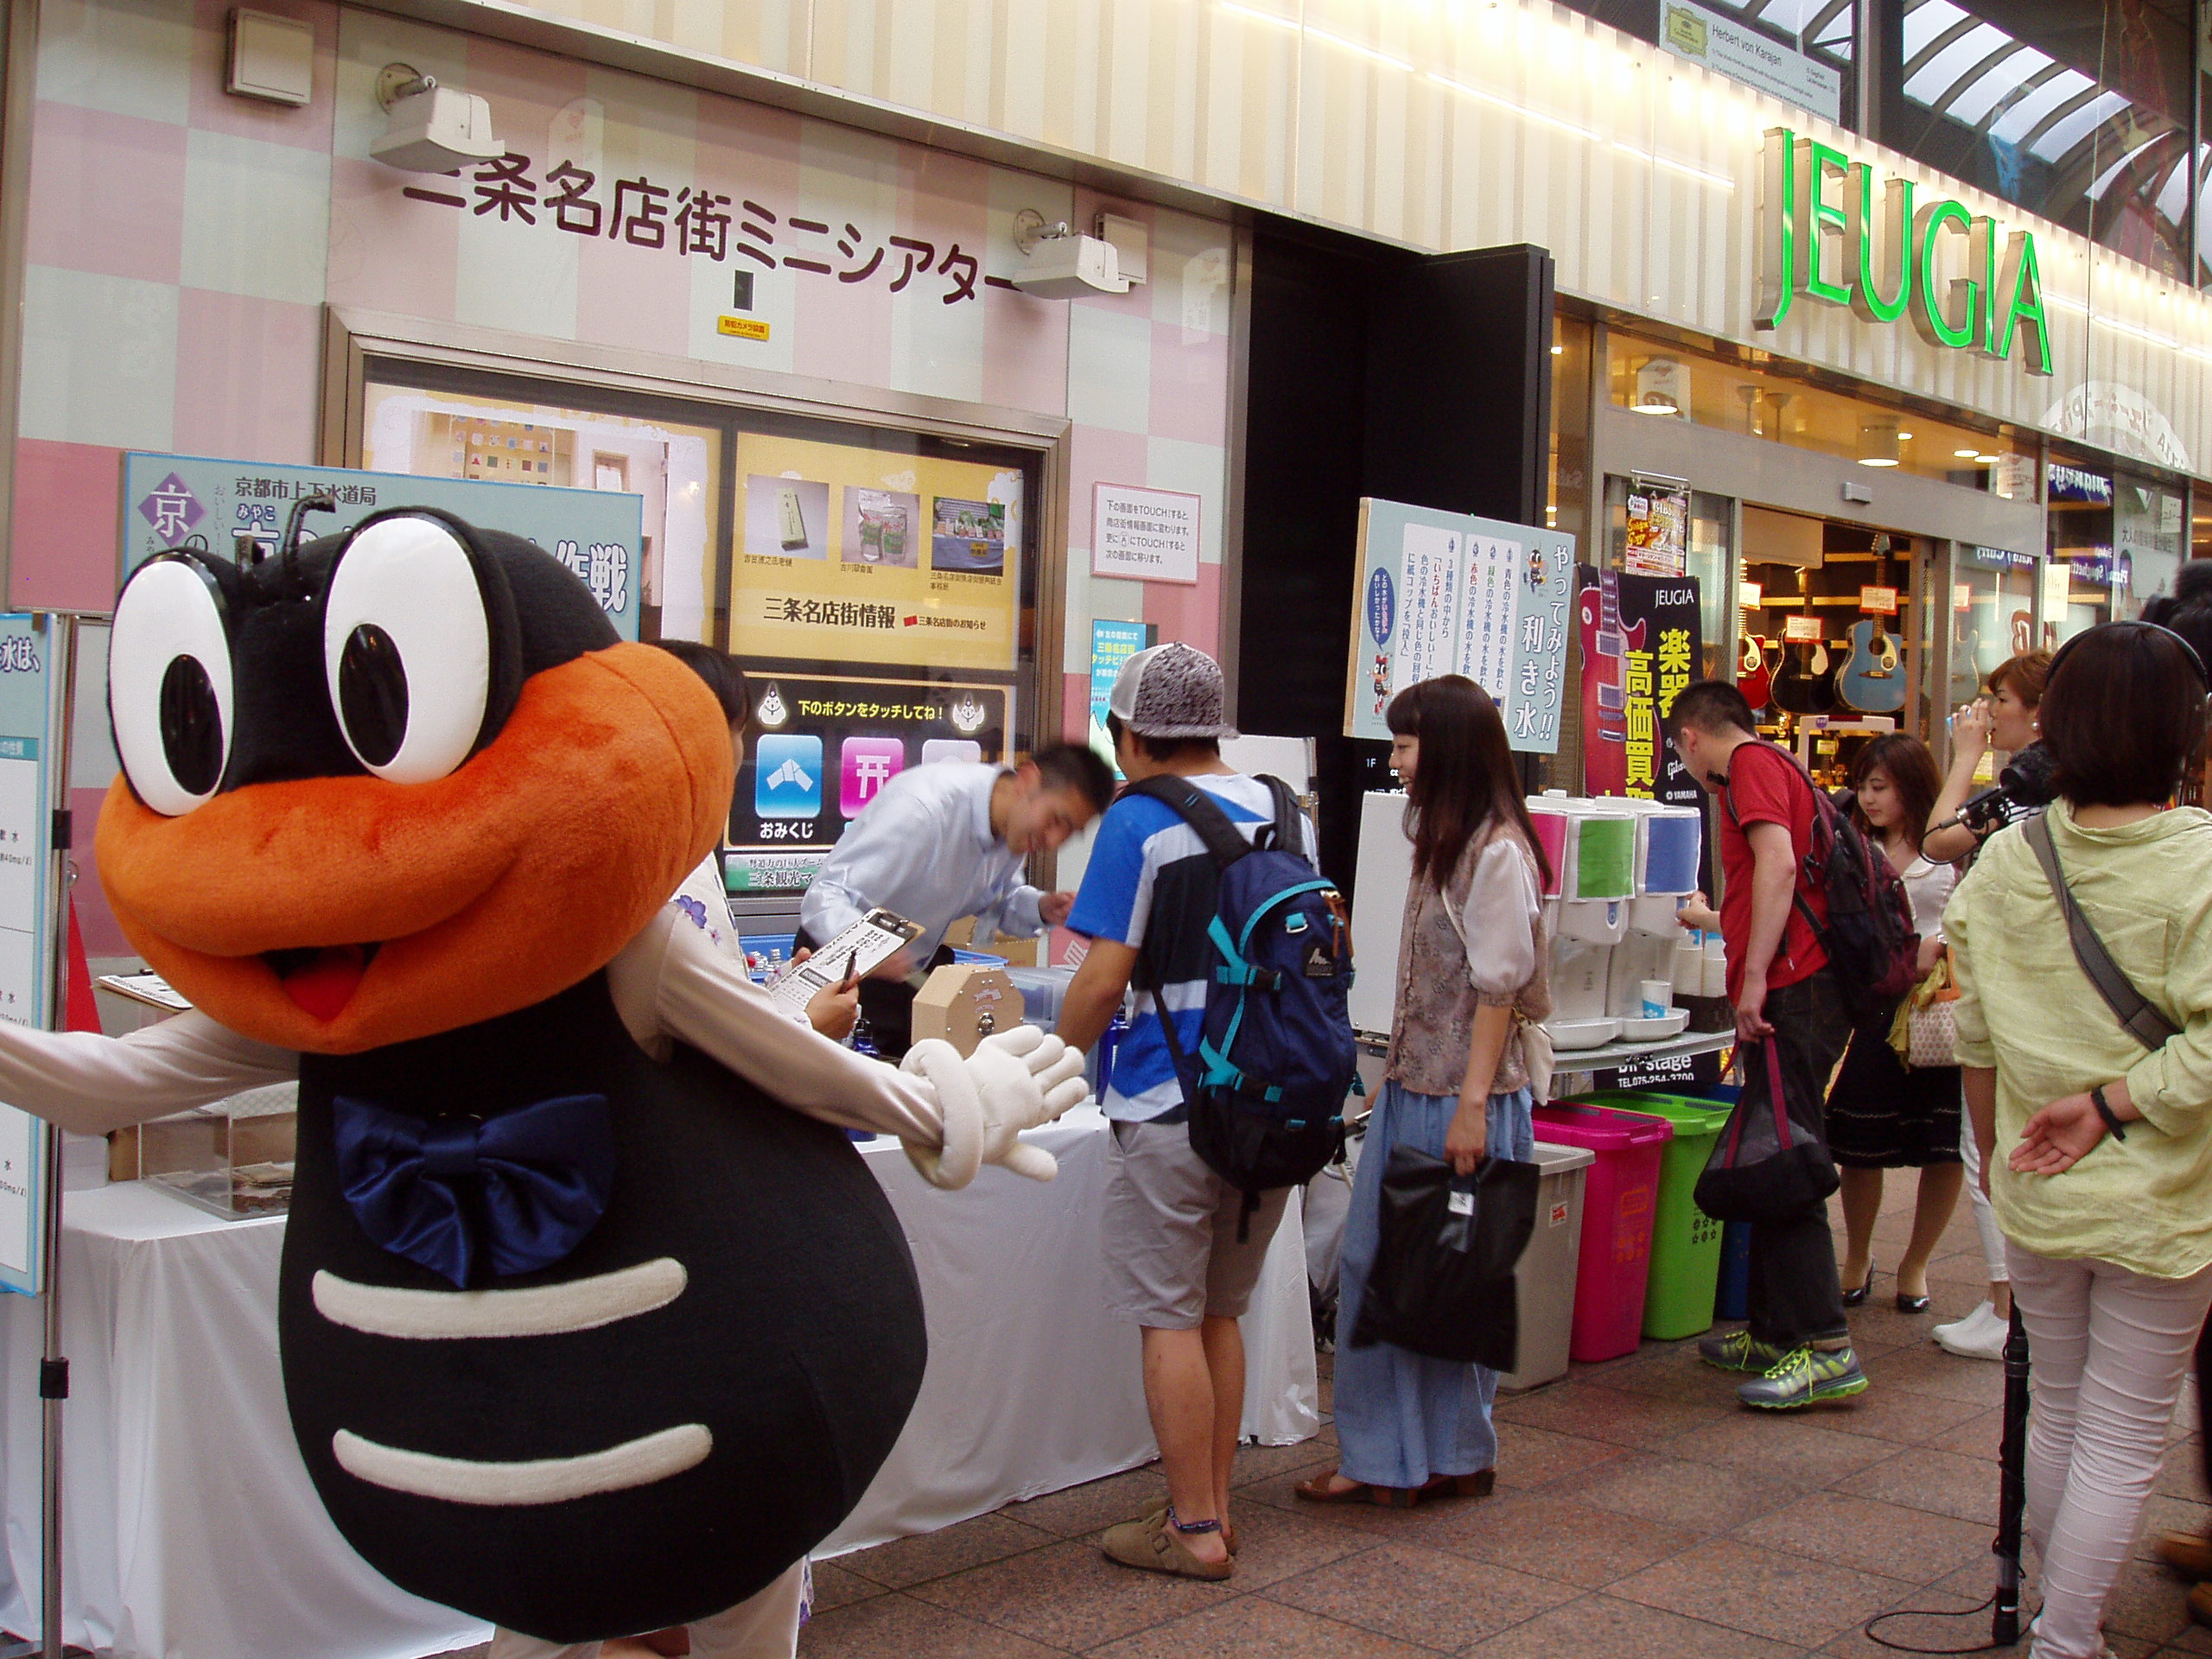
947, 840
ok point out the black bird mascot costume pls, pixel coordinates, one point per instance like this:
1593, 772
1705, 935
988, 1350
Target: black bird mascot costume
592, 1319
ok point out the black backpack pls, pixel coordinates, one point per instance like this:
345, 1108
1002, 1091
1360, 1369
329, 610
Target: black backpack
1869, 935
1266, 1090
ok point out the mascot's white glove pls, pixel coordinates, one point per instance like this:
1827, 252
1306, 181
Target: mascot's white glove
1013, 1082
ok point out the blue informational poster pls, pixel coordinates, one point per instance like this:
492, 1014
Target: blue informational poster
28, 717
1112, 643
1444, 593
167, 499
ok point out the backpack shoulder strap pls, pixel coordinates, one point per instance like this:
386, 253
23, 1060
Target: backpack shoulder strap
1198, 809
2134, 1011
1290, 818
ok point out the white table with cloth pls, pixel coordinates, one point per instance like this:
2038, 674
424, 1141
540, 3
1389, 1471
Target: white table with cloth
191, 1530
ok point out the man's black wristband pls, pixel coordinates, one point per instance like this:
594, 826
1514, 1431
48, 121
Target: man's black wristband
2104, 1111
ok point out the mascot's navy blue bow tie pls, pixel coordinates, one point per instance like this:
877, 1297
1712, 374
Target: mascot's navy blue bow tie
522, 1188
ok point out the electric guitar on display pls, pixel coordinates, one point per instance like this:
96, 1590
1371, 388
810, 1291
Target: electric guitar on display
1871, 681
1805, 683
1605, 645
1754, 674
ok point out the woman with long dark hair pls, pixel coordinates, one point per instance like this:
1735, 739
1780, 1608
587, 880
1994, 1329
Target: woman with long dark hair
1880, 1113
1473, 969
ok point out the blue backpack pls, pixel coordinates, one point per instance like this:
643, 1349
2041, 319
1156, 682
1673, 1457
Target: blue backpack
1266, 1090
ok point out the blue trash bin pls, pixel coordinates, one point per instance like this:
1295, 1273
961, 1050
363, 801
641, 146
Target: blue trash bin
1731, 1294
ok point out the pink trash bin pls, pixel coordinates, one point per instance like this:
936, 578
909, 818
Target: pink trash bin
1621, 1192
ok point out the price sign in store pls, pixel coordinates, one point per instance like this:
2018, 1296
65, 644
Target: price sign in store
1879, 601
1801, 630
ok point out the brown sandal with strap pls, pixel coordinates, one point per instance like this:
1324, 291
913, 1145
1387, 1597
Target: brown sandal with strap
1318, 1491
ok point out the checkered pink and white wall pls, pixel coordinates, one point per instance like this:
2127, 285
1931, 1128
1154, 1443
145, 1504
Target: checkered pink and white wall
183, 242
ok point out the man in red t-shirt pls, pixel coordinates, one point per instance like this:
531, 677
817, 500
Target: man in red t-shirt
1785, 994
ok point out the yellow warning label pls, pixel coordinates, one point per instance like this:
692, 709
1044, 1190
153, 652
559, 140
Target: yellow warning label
744, 327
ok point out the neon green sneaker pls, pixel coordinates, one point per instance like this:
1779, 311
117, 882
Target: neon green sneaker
1738, 1350
1805, 1376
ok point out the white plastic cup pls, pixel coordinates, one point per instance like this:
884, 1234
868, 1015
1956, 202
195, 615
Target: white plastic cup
1689, 967
1658, 998
1716, 966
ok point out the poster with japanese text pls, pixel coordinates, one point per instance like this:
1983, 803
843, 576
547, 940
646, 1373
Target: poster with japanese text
855, 555
1444, 593
1658, 529
230, 505
1642, 637
825, 746
26, 925
1113, 642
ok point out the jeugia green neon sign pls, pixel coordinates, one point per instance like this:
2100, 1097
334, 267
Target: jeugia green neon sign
1891, 255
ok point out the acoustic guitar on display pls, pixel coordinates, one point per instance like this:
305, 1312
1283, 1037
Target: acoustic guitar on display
1805, 683
1873, 679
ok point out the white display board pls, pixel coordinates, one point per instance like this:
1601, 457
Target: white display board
1378, 909
26, 725
1290, 759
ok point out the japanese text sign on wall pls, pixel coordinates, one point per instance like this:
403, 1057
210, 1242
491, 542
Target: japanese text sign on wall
853, 554
692, 221
1151, 534
169, 499
1642, 641
1442, 593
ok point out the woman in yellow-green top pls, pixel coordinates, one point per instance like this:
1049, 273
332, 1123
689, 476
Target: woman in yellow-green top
2101, 1149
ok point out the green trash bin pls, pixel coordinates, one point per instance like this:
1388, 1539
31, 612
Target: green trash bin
1685, 1241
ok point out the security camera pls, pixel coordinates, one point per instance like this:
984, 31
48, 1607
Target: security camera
434, 129
1065, 265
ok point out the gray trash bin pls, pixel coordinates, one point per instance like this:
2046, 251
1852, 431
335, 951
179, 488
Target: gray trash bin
1547, 1272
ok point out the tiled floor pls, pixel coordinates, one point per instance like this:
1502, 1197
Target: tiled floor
1640, 1512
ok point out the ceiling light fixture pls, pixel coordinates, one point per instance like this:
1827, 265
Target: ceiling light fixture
1877, 444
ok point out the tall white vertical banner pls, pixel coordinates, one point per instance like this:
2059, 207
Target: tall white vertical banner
28, 694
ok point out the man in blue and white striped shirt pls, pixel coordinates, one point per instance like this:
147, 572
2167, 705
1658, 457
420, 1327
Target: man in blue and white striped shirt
1174, 1264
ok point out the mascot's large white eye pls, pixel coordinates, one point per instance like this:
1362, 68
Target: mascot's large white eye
408, 650
168, 688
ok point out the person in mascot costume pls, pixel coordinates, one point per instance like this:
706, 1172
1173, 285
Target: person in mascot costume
592, 1319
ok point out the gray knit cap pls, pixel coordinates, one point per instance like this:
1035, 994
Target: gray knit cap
1171, 690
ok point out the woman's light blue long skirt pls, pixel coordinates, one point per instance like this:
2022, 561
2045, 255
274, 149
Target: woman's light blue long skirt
1404, 1418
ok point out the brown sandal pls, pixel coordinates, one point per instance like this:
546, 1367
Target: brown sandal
1318, 1491
1228, 1527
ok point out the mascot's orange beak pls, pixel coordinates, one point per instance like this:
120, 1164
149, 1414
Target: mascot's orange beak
338, 914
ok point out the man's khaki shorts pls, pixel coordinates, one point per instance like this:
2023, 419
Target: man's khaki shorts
1173, 1256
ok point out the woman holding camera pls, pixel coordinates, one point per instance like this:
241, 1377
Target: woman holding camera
2097, 1144
2007, 720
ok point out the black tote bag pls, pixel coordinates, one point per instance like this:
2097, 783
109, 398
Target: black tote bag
1771, 1161
1443, 1283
